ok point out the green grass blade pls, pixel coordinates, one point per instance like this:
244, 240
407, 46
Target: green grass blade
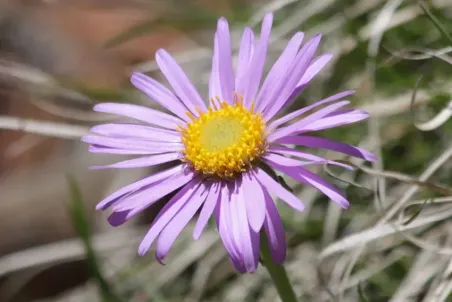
81, 224
435, 21
416, 212
362, 296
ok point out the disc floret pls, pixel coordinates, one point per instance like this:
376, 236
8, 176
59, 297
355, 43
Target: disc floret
225, 140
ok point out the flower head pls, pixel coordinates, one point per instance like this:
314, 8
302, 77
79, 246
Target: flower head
219, 149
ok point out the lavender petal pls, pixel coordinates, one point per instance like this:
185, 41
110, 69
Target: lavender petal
250, 251
297, 126
225, 61
274, 187
141, 113
180, 82
278, 73
254, 202
274, 230
146, 161
207, 210
275, 124
244, 60
142, 183
167, 213
297, 70
336, 119
160, 94
305, 176
169, 234
324, 143
254, 75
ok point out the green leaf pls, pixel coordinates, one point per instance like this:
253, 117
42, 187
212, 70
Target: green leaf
416, 212
275, 176
328, 171
81, 224
268, 170
362, 296
283, 183
435, 21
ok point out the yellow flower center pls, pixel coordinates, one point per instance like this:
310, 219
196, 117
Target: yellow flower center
225, 140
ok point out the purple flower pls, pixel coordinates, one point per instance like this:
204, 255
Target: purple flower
219, 150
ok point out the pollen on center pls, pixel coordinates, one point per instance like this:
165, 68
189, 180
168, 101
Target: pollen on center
225, 140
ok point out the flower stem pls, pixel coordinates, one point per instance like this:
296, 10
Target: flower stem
277, 273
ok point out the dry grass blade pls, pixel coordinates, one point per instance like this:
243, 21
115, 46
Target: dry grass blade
407, 179
391, 175
437, 121
425, 265
416, 53
51, 129
66, 251
440, 291
374, 268
416, 213
431, 169
381, 231
327, 169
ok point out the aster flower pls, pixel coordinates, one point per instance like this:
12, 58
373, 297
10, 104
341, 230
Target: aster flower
219, 150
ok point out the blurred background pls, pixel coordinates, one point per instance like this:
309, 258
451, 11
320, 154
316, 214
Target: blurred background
58, 58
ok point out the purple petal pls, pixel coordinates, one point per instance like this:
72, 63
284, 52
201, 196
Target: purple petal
337, 118
207, 210
222, 217
297, 70
254, 202
179, 81
297, 126
255, 243
305, 176
316, 66
274, 230
283, 150
236, 229
238, 264
286, 161
130, 205
214, 81
324, 143
146, 161
137, 131
274, 187
117, 218
159, 94
142, 183
179, 221
288, 117
131, 144
293, 152
278, 73
244, 59
250, 251
225, 60
141, 200
226, 230
107, 150
141, 113
253, 78
313, 69
167, 213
